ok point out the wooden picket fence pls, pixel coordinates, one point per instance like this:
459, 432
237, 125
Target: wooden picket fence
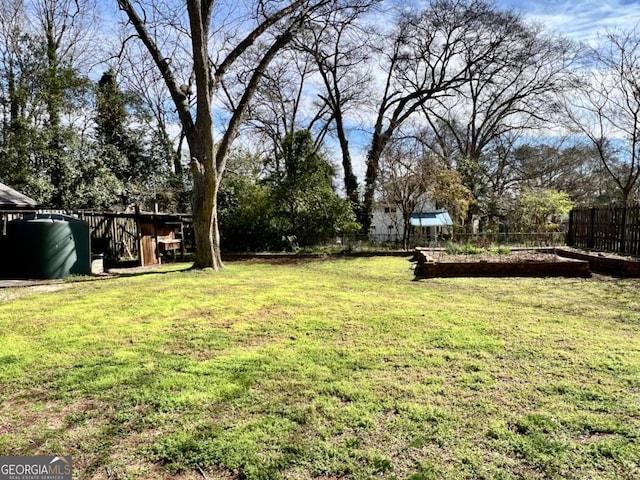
613, 229
116, 235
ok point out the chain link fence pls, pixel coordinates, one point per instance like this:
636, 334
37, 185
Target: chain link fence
394, 242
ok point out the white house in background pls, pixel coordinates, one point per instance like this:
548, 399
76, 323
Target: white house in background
387, 224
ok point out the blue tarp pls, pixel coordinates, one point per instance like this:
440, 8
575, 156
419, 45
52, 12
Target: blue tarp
439, 218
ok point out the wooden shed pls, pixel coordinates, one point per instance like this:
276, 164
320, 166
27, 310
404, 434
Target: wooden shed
158, 234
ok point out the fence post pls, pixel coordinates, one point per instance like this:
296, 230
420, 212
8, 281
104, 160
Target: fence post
571, 232
623, 235
591, 228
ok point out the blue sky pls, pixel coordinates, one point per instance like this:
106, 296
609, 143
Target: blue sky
581, 20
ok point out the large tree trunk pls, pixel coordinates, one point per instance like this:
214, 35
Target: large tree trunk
406, 234
205, 221
371, 179
206, 180
350, 180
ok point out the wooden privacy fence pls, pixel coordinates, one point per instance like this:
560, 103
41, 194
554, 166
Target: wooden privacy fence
613, 229
114, 234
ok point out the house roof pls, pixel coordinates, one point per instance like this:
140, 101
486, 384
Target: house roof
437, 218
10, 198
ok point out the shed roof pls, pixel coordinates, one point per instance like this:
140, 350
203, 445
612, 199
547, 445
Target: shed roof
438, 218
10, 198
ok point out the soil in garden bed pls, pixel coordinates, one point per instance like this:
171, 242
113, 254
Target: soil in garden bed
518, 256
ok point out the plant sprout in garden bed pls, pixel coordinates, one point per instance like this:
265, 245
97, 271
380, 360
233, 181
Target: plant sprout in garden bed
471, 249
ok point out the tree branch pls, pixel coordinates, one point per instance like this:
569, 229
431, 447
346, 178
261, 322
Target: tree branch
250, 39
179, 99
239, 113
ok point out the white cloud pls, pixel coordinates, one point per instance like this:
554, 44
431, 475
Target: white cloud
583, 21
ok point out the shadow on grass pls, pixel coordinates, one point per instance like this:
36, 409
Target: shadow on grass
160, 269
293, 258
229, 258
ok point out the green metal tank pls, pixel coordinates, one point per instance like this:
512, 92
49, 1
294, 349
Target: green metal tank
48, 246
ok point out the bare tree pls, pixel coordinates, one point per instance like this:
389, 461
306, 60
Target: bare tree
517, 75
283, 104
606, 107
341, 50
141, 76
422, 58
298, 89
427, 60
67, 26
275, 23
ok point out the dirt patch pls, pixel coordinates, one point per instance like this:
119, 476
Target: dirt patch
11, 292
156, 268
599, 254
599, 262
514, 257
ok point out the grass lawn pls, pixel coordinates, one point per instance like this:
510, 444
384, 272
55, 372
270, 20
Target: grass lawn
341, 369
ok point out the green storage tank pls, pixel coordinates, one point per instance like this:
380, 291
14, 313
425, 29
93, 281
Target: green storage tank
48, 246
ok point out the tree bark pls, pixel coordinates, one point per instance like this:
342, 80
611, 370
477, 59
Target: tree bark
205, 220
350, 180
206, 175
378, 144
406, 234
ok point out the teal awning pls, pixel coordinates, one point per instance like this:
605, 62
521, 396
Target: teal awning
439, 218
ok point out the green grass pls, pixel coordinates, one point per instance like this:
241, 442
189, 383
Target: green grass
325, 369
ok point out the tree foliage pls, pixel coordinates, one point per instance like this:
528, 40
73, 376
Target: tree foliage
301, 189
39, 85
64, 140
295, 204
246, 213
539, 210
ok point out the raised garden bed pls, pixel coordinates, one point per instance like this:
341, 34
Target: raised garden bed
432, 263
607, 263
